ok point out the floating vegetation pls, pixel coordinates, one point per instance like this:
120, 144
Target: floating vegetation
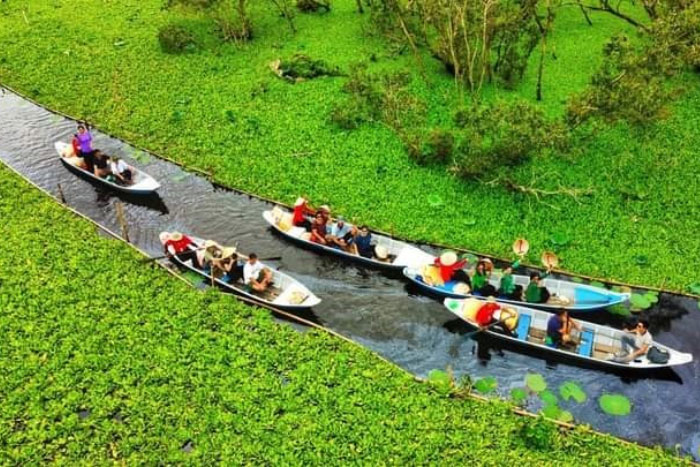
559, 239
486, 385
434, 200
620, 310
440, 379
615, 404
518, 395
641, 260
565, 416
535, 382
548, 397
576, 279
571, 390
694, 289
597, 284
639, 302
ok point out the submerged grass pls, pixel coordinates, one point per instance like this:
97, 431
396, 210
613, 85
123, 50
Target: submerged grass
221, 109
107, 359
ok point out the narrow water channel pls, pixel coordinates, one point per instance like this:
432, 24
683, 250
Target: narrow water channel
378, 311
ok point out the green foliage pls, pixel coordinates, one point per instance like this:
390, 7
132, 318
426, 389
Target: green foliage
177, 107
486, 385
176, 39
503, 134
312, 6
640, 302
437, 148
539, 434
301, 66
518, 395
615, 404
571, 390
535, 382
548, 397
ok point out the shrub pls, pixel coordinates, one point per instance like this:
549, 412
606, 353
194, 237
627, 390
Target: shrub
301, 66
312, 6
175, 39
437, 148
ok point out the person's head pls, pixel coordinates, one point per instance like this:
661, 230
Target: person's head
364, 231
340, 222
480, 267
81, 129
319, 217
562, 313
642, 326
535, 277
253, 258
508, 270
116, 159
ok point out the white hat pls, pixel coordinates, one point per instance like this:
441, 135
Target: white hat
461, 288
381, 252
448, 258
324, 207
176, 236
164, 237
491, 299
300, 200
227, 251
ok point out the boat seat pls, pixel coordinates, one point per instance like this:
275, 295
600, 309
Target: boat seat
537, 333
523, 326
586, 344
535, 340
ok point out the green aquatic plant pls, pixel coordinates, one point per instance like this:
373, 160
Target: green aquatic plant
639, 302
486, 385
615, 404
535, 382
518, 395
571, 390
548, 397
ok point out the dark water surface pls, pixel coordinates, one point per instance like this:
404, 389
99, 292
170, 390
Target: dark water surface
376, 310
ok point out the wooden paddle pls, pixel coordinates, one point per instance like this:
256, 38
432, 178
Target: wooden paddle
473, 333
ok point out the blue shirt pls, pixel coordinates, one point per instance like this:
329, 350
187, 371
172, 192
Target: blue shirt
364, 245
340, 232
554, 327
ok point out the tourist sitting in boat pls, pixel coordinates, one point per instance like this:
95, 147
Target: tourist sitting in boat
85, 142
363, 242
382, 253
635, 344
480, 280
301, 210
491, 314
319, 230
451, 268
559, 328
325, 212
181, 246
536, 293
256, 275
233, 270
101, 162
340, 236
121, 171
507, 288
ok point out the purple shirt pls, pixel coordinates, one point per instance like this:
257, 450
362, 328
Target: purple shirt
85, 141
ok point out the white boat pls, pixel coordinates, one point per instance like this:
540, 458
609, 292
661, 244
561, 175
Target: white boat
594, 344
142, 182
565, 294
285, 292
400, 254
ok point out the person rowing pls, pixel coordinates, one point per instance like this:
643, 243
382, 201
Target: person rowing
84, 139
450, 267
491, 314
182, 246
559, 327
101, 163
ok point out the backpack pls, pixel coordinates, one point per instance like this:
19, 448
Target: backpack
656, 355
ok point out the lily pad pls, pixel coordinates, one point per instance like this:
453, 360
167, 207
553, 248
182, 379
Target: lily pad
434, 200
519, 395
615, 404
576, 279
551, 411
535, 382
486, 385
559, 239
694, 289
571, 390
548, 397
651, 298
619, 310
469, 222
641, 260
565, 416
439, 378
639, 302
597, 284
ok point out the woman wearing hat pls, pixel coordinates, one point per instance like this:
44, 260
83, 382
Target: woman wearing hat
301, 210
491, 314
181, 246
451, 268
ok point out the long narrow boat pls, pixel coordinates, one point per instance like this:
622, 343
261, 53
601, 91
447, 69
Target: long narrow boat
400, 254
143, 183
285, 292
595, 344
569, 295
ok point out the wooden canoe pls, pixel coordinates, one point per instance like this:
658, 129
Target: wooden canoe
401, 254
577, 297
595, 344
285, 293
143, 183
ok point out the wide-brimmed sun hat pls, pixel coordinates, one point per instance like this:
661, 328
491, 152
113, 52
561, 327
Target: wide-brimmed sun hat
300, 200
448, 258
461, 288
381, 252
491, 299
164, 237
175, 236
227, 252
324, 207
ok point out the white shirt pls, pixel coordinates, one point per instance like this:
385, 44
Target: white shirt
251, 271
645, 340
118, 167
